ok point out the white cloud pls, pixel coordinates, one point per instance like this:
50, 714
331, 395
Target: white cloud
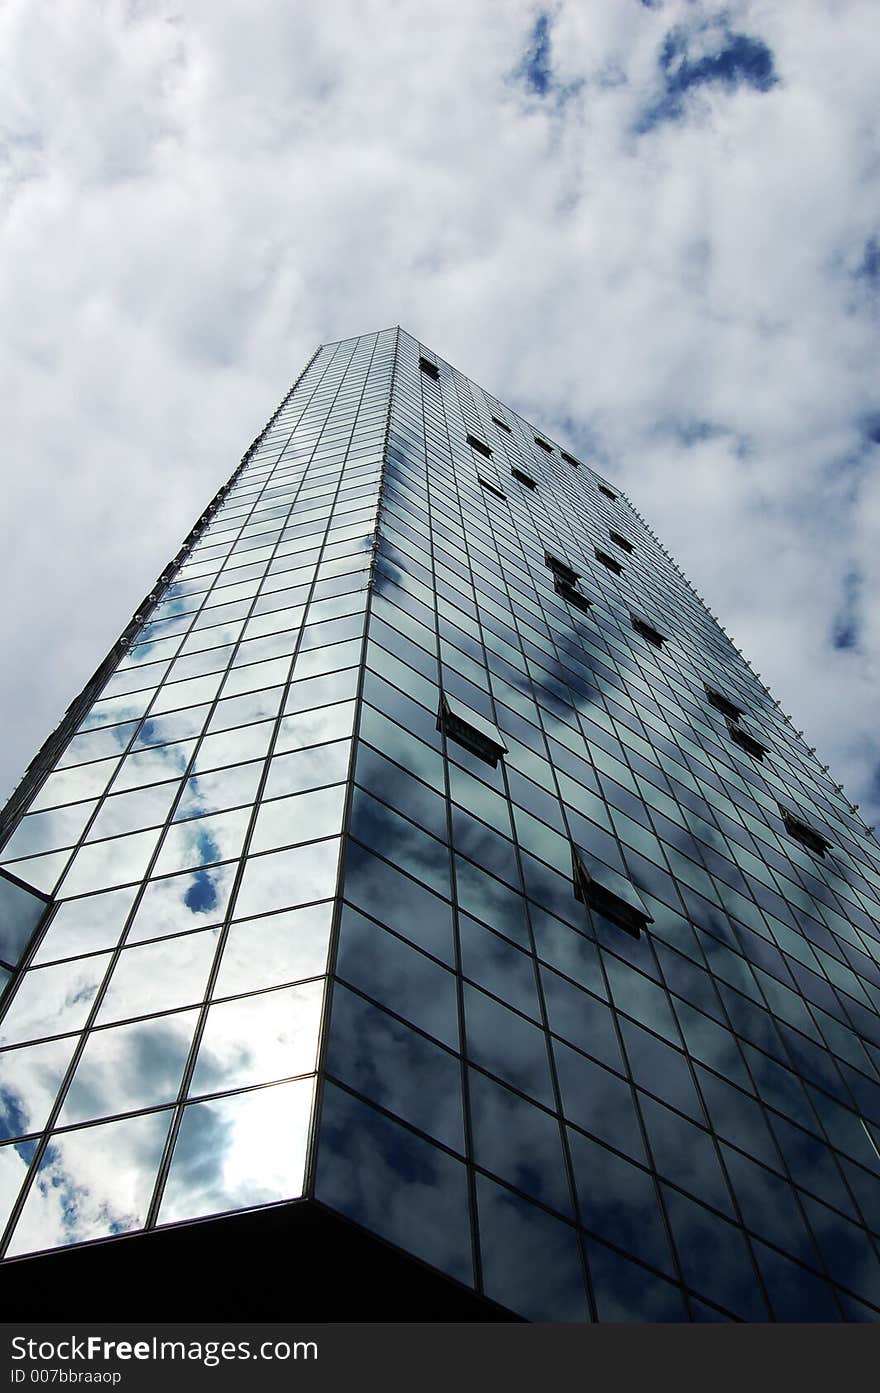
197, 199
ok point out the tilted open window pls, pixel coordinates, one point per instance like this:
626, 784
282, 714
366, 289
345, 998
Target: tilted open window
492, 488
620, 541
468, 728
561, 568
723, 704
648, 631
608, 892
746, 741
607, 492
22, 909
524, 478
570, 459
543, 444
609, 561
808, 836
430, 368
480, 446
503, 424
570, 594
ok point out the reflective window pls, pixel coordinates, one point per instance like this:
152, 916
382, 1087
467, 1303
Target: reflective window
288, 878
103, 864
310, 768
258, 1039
394, 1182
285, 947
382, 829
795, 1294
580, 1019
91, 1183
714, 1257
627, 1292
661, 1070
45, 831
685, 1153
179, 902
507, 1045
238, 1151
199, 841
531, 1260
128, 1067
598, 1101
518, 1141
299, 818
211, 793
30, 1077
619, 1201
398, 976
400, 902
492, 962
53, 1000
158, 976
396, 1067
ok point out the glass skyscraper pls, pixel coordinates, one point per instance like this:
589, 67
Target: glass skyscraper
425, 888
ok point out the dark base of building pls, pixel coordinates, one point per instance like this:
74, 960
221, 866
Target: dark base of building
294, 1262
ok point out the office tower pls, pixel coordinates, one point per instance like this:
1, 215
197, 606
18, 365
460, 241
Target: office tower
427, 901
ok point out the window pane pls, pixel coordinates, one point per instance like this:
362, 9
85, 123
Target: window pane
531, 1261
395, 1067
238, 1151
393, 1182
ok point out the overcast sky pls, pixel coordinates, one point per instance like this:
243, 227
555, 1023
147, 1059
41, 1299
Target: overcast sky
653, 228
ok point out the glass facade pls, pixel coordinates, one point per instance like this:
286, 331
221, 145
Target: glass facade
428, 851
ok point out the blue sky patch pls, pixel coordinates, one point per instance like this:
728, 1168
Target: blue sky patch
535, 68
845, 625
739, 61
871, 427
869, 270
689, 431
693, 432
201, 896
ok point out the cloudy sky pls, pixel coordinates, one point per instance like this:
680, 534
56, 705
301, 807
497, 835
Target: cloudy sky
652, 226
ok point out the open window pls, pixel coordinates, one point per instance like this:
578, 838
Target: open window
430, 368
523, 478
480, 446
561, 568
621, 541
609, 561
648, 631
746, 741
466, 727
22, 909
543, 444
603, 488
608, 892
489, 487
502, 425
570, 459
723, 704
571, 594
808, 836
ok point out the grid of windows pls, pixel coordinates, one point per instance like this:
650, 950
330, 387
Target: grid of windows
603, 1036
679, 1125
158, 1055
